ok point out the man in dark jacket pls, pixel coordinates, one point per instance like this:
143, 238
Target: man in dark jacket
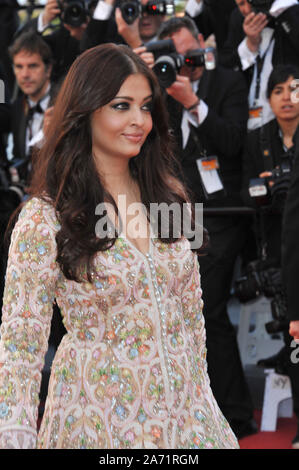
212, 17
107, 25
208, 115
32, 63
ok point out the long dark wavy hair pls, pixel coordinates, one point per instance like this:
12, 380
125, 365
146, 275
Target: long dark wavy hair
66, 171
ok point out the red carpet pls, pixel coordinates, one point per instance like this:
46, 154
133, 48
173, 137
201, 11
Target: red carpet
280, 439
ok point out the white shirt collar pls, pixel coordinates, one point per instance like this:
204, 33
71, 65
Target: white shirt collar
43, 101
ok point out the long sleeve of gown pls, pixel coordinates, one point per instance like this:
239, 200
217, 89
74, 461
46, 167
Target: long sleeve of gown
192, 305
31, 278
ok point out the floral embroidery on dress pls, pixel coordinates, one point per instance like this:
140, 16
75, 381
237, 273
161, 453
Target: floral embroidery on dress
130, 372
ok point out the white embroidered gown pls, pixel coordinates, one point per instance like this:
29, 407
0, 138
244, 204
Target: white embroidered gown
131, 371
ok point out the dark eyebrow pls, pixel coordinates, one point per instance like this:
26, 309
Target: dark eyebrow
129, 98
17, 64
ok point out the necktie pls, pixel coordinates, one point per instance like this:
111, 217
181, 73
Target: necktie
31, 111
34, 109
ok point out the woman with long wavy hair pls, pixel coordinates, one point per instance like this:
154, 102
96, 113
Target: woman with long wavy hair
131, 370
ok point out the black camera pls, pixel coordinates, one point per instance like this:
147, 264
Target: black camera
261, 6
73, 12
132, 9
260, 278
274, 195
280, 320
167, 66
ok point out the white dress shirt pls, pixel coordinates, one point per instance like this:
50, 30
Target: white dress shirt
37, 122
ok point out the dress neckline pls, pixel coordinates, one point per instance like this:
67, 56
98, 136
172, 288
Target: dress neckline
144, 255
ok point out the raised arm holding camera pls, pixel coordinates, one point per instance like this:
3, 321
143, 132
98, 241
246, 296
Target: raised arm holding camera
268, 167
64, 41
132, 22
271, 38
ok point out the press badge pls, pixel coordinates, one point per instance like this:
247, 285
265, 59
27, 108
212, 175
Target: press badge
208, 169
255, 117
255, 113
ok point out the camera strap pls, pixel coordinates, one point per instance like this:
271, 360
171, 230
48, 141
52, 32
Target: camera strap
265, 147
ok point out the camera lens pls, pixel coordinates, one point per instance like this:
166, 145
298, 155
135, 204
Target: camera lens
74, 14
75, 11
130, 11
165, 69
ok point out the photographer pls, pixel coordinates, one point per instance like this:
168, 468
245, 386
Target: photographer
66, 39
229, 55
271, 38
268, 165
134, 23
208, 115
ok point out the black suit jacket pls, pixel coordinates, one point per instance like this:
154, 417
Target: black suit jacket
222, 133
214, 19
286, 36
290, 239
18, 124
18, 127
9, 22
228, 55
100, 32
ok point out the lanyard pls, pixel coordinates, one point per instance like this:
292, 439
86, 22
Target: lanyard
200, 148
259, 68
